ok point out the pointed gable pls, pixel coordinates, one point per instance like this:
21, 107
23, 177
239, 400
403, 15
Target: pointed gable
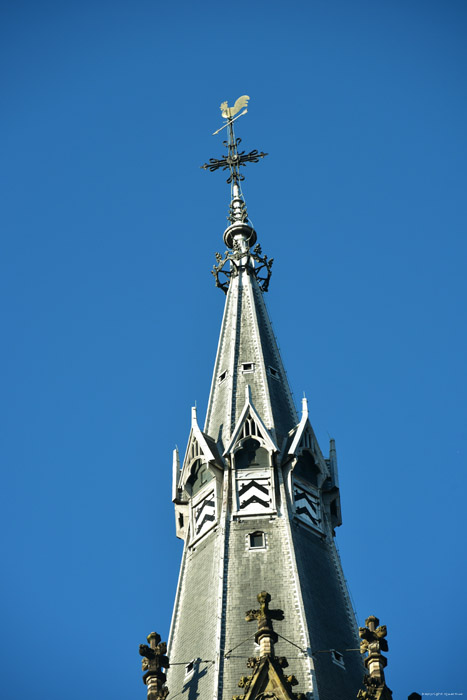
268, 680
303, 447
304, 437
199, 447
250, 424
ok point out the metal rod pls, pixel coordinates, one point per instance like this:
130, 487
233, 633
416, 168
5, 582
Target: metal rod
230, 121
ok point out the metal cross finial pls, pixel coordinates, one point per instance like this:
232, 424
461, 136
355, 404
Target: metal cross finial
234, 159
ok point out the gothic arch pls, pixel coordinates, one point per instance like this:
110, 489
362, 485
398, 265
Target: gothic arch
251, 453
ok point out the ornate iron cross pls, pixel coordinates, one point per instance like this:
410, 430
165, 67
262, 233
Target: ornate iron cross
234, 159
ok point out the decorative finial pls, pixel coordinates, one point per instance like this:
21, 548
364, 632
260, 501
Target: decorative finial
267, 678
154, 661
239, 230
238, 261
240, 236
265, 636
373, 643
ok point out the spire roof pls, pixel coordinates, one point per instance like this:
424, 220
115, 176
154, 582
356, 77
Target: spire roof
247, 354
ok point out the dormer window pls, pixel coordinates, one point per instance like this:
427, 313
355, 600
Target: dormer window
222, 376
248, 366
200, 475
273, 372
251, 454
307, 468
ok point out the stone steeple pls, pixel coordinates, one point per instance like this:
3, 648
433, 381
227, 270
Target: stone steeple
257, 504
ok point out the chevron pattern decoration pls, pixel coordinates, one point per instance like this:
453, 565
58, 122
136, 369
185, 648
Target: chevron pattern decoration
254, 495
205, 514
307, 506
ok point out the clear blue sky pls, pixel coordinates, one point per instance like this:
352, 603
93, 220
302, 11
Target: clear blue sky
110, 315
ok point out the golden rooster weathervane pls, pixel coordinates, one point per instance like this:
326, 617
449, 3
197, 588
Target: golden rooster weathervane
230, 112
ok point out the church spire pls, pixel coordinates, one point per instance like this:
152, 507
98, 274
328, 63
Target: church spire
256, 503
248, 355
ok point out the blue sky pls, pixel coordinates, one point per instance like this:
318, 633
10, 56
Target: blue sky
111, 317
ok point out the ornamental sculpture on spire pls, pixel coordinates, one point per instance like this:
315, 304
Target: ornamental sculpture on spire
155, 662
373, 643
234, 159
240, 234
267, 678
265, 636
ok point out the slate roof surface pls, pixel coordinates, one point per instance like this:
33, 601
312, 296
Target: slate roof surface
247, 337
221, 574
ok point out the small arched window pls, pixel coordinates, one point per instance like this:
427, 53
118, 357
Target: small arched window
199, 476
307, 468
251, 454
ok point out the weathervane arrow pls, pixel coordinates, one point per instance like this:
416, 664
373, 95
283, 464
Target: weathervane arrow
230, 122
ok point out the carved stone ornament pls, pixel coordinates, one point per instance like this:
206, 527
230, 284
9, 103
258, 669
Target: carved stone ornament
154, 661
267, 680
373, 643
264, 617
